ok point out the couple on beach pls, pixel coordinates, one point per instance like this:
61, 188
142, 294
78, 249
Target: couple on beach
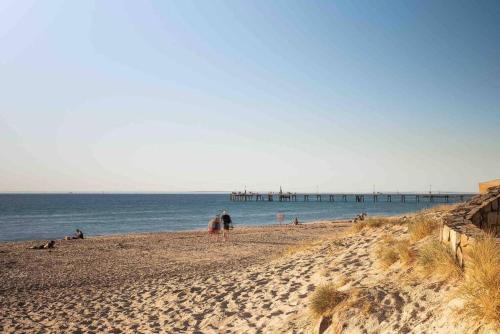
214, 226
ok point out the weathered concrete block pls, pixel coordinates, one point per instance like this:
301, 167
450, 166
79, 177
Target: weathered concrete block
492, 218
445, 233
454, 240
464, 240
460, 256
486, 208
476, 219
494, 204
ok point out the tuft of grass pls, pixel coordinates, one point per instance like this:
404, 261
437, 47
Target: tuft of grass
391, 250
325, 299
372, 222
422, 227
436, 259
387, 255
481, 287
403, 248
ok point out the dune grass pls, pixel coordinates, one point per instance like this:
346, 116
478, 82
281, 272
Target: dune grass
391, 250
405, 253
481, 286
422, 226
435, 259
325, 299
372, 222
387, 255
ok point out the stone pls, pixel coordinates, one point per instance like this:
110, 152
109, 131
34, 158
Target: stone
476, 219
472, 213
323, 324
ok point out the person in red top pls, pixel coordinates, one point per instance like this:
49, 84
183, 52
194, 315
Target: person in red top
214, 227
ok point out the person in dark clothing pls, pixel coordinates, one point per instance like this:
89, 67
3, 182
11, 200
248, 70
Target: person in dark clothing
227, 224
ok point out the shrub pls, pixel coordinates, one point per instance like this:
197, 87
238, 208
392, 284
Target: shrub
481, 287
324, 299
434, 258
422, 227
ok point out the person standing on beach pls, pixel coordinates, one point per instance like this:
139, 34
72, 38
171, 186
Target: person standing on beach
226, 221
214, 227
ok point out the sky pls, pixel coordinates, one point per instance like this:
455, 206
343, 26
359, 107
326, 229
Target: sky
173, 96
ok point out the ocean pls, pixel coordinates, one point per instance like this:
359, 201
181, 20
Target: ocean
52, 216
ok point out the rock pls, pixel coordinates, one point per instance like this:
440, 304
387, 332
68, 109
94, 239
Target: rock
322, 325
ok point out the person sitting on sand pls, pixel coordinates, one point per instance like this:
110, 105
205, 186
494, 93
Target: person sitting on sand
296, 221
227, 222
214, 227
78, 234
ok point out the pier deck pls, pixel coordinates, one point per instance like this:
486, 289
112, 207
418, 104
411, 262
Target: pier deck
361, 197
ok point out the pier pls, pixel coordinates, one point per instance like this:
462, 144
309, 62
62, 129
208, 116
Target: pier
344, 197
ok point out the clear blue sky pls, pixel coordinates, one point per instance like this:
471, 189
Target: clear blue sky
213, 95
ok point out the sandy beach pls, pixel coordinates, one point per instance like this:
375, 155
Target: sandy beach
162, 282
261, 281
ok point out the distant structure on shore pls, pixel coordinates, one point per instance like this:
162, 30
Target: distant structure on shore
484, 186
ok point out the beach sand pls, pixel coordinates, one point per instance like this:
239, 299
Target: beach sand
260, 282
162, 282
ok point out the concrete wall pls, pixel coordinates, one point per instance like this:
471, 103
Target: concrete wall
470, 221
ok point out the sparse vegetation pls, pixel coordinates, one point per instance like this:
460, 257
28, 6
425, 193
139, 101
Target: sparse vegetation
387, 255
391, 250
481, 287
403, 248
434, 258
372, 222
422, 226
325, 298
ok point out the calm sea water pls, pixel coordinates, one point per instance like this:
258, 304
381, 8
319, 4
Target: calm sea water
52, 216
